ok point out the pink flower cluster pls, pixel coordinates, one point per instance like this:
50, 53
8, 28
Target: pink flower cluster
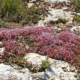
42, 40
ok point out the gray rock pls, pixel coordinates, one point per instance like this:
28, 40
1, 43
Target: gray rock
26, 74
54, 71
35, 59
6, 71
59, 70
78, 14
74, 28
38, 76
56, 15
73, 13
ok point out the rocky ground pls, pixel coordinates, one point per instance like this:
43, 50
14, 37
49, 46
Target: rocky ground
57, 69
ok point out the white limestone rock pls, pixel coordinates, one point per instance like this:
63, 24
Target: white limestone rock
69, 23
55, 15
74, 28
73, 13
30, 5
58, 70
35, 59
59, 13
6, 71
78, 14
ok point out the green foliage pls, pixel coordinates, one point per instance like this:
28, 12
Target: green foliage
45, 63
78, 74
12, 10
77, 18
52, 78
58, 53
35, 9
76, 4
9, 5
18, 11
3, 24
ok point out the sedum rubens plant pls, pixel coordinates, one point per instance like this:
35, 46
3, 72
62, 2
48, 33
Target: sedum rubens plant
42, 40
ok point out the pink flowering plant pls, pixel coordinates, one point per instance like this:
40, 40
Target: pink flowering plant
42, 40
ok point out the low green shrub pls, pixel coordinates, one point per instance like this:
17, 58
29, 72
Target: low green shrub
9, 6
10, 10
77, 18
78, 74
76, 4
18, 11
3, 25
46, 63
52, 78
